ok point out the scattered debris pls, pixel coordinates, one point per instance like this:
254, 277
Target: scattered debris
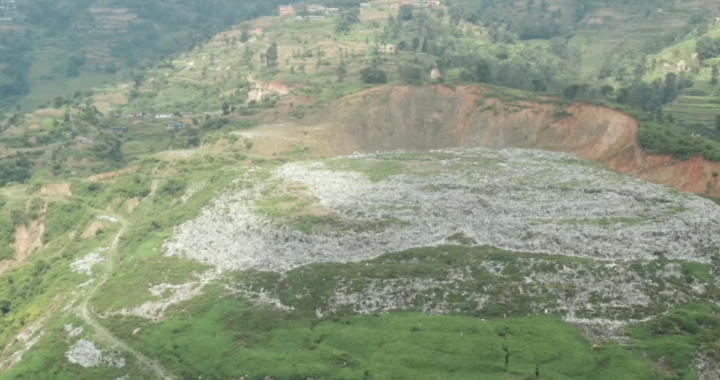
154, 309
73, 332
87, 355
85, 264
109, 218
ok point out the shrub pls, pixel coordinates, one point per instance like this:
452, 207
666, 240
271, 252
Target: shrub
373, 75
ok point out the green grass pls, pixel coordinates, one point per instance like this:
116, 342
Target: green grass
47, 361
228, 338
126, 289
223, 335
61, 218
678, 335
7, 237
375, 170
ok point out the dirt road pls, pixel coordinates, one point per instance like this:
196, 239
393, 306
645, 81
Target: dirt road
103, 333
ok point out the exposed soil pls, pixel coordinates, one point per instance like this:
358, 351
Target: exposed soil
56, 189
28, 238
112, 175
132, 203
92, 229
434, 117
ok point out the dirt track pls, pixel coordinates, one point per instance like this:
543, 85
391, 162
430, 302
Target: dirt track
90, 318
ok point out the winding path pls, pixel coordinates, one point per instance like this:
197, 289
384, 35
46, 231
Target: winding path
103, 333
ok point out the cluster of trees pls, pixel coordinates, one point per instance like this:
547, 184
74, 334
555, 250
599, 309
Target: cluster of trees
348, 17
16, 168
708, 47
373, 75
651, 97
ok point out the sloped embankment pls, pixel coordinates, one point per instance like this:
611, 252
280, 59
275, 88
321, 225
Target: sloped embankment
435, 117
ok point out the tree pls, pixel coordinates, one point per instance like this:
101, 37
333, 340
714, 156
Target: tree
405, 13
415, 43
572, 91
607, 90
714, 75
539, 85
424, 46
58, 102
5, 306
482, 72
670, 92
373, 75
225, 108
411, 74
341, 72
717, 122
271, 55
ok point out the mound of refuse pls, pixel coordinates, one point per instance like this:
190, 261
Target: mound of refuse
359, 207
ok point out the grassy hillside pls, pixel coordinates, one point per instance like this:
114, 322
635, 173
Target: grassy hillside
74, 45
459, 310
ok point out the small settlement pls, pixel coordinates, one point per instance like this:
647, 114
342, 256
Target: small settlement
316, 12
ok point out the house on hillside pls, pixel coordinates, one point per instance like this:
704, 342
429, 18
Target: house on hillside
164, 116
136, 114
432, 3
332, 10
186, 114
285, 10
119, 129
364, 5
315, 8
394, 6
84, 140
387, 48
175, 126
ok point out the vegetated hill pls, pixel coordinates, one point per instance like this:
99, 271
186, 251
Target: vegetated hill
699, 105
66, 46
267, 66
239, 78
364, 265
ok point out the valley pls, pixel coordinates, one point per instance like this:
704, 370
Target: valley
445, 190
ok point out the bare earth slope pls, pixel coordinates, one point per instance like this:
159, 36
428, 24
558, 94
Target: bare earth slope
432, 117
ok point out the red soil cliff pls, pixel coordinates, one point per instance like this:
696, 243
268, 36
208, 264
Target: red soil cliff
431, 117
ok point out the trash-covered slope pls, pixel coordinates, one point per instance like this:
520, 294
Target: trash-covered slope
357, 208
